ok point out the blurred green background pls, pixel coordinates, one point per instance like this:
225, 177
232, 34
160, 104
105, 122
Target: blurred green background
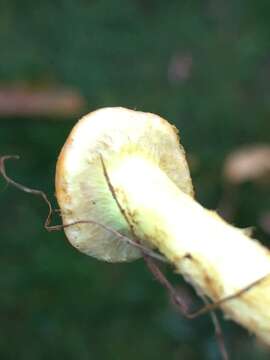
205, 66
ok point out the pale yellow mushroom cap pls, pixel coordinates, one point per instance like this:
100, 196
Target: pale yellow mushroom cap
81, 188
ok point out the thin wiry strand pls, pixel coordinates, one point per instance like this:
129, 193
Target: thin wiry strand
218, 330
25, 189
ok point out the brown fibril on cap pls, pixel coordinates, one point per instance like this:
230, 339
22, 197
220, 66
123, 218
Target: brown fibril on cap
82, 190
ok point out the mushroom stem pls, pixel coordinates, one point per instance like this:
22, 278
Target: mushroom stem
217, 258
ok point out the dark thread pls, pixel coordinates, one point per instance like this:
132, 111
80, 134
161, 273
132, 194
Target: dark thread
225, 299
111, 188
26, 189
218, 330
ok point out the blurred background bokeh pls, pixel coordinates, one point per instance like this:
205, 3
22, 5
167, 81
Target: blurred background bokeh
205, 66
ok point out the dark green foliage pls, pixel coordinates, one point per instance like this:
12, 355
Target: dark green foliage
56, 303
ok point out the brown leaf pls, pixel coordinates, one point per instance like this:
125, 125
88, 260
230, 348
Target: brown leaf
249, 163
264, 221
23, 101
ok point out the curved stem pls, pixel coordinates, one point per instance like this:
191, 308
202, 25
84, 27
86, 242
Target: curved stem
216, 258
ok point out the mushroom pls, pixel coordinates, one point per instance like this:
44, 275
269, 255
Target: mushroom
153, 200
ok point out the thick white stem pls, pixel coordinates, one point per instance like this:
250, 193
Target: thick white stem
222, 259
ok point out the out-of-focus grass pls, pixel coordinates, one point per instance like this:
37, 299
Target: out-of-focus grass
55, 302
